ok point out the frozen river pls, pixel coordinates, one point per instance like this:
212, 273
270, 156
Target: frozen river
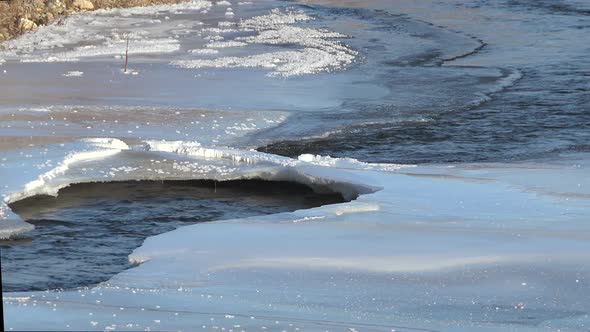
456, 132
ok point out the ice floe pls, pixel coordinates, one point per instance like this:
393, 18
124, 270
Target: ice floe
97, 148
69, 170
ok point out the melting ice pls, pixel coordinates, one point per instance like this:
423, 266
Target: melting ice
462, 247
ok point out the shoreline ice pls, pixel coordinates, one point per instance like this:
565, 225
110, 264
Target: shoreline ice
407, 221
310, 50
319, 52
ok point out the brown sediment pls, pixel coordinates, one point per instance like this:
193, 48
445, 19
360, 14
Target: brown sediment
90, 115
20, 16
92, 119
10, 143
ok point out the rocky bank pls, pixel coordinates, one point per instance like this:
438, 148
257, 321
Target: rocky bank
21, 16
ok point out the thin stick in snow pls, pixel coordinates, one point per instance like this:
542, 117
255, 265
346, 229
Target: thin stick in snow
127, 54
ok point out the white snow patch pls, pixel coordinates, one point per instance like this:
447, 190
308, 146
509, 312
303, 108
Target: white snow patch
225, 24
35, 109
194, 5
20, 299
349, 163
226, 44
73, 74
218, 30
284, 63
111, 47
214, 38
274, 19
320, 51
204, 51
195, 149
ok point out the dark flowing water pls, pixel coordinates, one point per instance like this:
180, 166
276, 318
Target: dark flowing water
432, 114
83, 236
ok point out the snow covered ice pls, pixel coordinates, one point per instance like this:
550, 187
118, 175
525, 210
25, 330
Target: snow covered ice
471, 246
320, 52
423, 231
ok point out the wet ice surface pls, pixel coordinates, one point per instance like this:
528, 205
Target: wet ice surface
133, 122
461, 247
